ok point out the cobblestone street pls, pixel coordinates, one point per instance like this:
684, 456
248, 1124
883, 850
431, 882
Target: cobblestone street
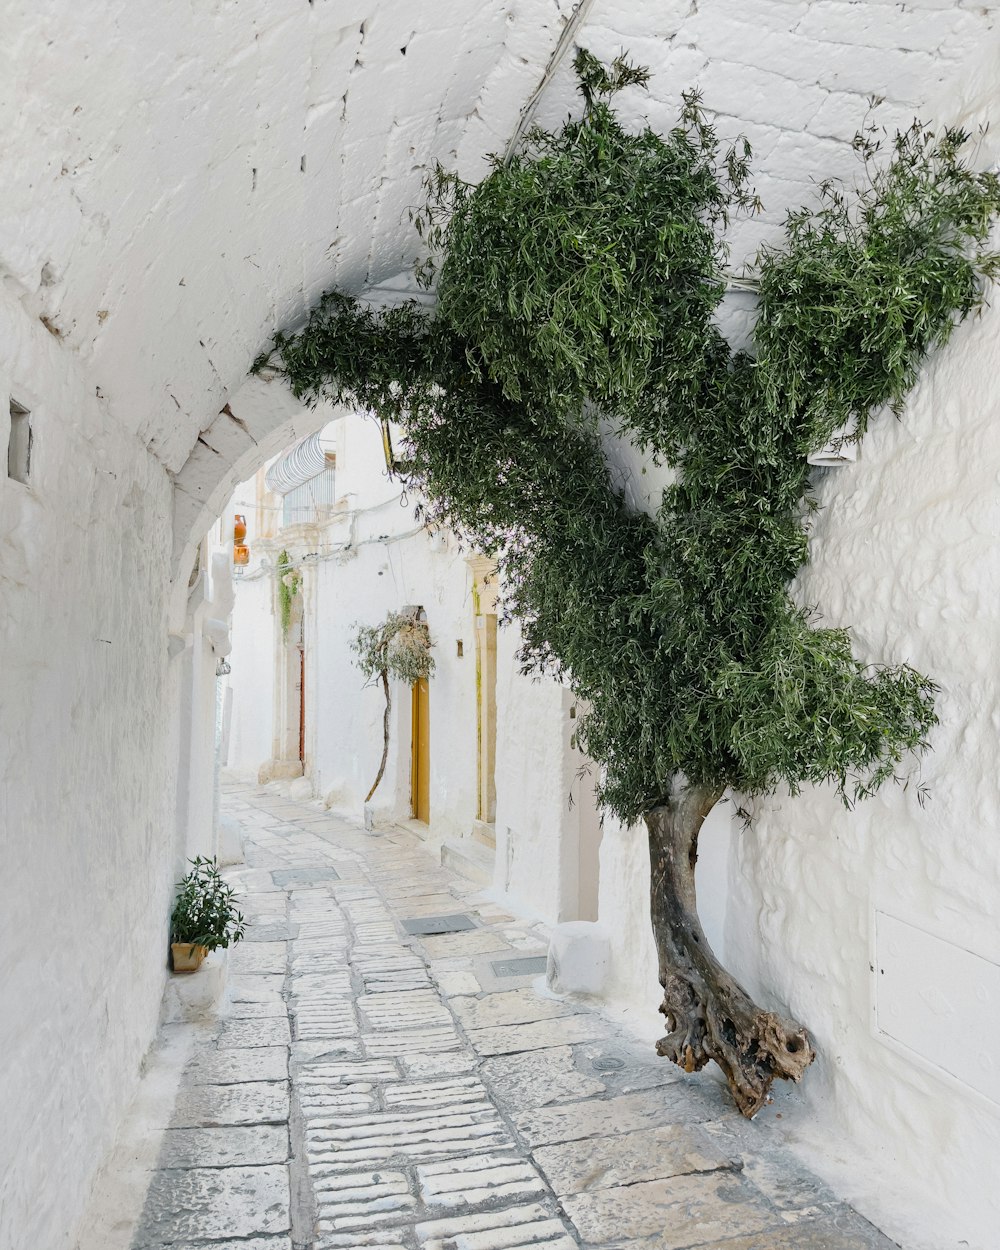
372, 1081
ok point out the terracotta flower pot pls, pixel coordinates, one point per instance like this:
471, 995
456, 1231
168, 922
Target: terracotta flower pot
187, 956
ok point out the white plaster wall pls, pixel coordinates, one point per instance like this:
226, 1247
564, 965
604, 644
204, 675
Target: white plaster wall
251, 681
86, 782
372, 558
905, 550
540, 799
176, 189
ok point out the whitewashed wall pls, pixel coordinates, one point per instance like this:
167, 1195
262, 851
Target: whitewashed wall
86, 782
906, 551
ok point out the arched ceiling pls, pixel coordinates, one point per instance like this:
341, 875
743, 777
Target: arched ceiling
178, 180
183, 178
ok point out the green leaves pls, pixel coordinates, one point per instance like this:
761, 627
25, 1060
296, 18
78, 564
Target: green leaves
204, 913
578, 285
400, 647
557, 270
865, 286
289, 580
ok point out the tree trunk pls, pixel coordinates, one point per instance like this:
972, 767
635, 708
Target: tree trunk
709, 1015
385, 734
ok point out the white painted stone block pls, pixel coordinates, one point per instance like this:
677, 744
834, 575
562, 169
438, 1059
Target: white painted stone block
230, 841
579, 953
301, 789
195, 995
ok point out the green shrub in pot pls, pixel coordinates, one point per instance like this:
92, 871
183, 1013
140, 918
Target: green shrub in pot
205, 916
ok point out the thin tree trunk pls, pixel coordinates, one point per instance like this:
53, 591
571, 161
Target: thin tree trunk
385, 734
709, 1015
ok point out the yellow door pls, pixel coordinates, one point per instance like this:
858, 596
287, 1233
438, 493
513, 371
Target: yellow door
420, 764
486, 715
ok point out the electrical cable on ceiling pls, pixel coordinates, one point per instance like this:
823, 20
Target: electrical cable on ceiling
573, 24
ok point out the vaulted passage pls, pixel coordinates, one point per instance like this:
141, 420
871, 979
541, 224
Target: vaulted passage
177, 184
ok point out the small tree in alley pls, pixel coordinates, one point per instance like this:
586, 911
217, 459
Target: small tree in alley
400, 647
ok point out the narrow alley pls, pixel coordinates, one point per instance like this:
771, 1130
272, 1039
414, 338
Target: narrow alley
384, 1072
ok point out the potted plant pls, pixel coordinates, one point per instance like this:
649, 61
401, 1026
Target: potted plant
204, 916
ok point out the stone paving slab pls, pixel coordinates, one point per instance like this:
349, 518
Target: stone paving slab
325, 1048
509, 1039
677, 1104
509, 1229
272, 1005
406, 1042
253, 1102
252, 987
361, 1199
384, 1239
245, 1243
267, 932
538, 1078
646, 1155
479, 1179
200, 1204
452, 981
224, 1147
841, 1229
474, 942
521, 1006
450, 1063
672, 1214
785, 1183
231, 1066
259, 957
365, 1089
267, 1032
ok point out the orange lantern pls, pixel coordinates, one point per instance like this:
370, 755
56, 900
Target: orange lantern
241, 552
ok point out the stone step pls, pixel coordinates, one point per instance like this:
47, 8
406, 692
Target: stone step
485, 833
469, 859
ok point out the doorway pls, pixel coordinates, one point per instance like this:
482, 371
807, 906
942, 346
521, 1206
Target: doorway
420, 752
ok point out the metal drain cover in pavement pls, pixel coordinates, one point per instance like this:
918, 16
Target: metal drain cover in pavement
607, 1063
425, 926
526, 967
303, 876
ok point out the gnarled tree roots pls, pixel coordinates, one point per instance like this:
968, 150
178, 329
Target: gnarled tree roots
709, 1015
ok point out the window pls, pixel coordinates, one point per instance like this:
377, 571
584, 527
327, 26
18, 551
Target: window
310, 502
19, 445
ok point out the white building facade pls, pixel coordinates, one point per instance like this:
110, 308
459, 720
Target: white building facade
481, 761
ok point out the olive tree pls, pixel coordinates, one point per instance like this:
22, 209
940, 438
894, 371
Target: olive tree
399, 647
577, 289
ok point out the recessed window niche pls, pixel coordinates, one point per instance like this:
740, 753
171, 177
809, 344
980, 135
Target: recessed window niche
19, 444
